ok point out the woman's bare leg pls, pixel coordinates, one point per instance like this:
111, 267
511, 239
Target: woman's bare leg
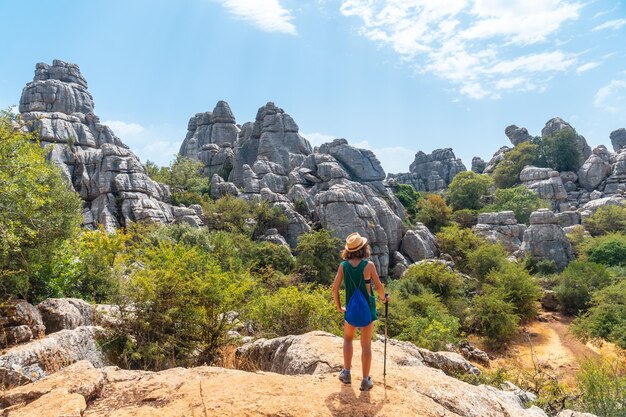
366, 348
348, 335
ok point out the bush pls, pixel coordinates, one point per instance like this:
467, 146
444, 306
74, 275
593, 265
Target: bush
603, 388
465, 218
605, 220
266, 254
609, 250
294, 310
520, 200
459, 243
433, 212
433, 276
518, 288
468, 189
578, 281
199, 237
606, 318
559, 151
507, 172
318, 256
494, 318
185, 179
408, 197
485, 258
175, 309
38, 213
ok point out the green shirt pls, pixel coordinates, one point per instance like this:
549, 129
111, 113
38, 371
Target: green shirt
353, 278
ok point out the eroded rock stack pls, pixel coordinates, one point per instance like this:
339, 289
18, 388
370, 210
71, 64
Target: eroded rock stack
109, 178
544, 239
431, 172
501, 227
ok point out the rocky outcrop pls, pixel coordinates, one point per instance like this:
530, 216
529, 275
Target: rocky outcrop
496, 159
570, 413
545, 239
108, 177
595, 169
501, 227
431, 172
419, 243
34, 360
555, 124
545, 182
20, 322
616, 182
618, 139
517, 135
65, 313
478, 165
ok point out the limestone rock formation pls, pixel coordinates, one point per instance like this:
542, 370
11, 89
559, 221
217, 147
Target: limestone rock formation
517, 135
595, 169
555, 124
65, 313
545, 182
419, 243
545, 239
496, 159
501, 227
432, 172
478, 165
109, 178
34, 360
616, 182
20, 322
618, 139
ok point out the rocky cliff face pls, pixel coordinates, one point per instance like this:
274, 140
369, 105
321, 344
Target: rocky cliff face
431, 172
337, 185
109, 178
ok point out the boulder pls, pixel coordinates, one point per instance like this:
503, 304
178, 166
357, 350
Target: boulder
32, 361
496, 159
595, 169
272, 236
545, 239
616, 182
501, 227
20, 322
65, 313
517, 135
478, 165
618, 139
592, 206
431, 172
419, 243
545, 182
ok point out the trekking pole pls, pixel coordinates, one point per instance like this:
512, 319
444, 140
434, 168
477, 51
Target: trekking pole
385, 351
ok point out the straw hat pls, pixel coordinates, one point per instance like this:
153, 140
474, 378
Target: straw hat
354, 242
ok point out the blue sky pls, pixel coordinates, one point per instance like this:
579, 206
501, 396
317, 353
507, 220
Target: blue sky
395, 76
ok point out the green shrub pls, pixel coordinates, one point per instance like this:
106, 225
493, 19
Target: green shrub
603, 388
175, 309
486, 258
605, 220
459, 243
38, 213
559, 151
578, 281
519, 200
294, 310
609, 250
232, 214
518, 288
433, 276
606, 318
494, 318
318, 256
433, 212
199, 237
506, 173
465, 218
468, 190
409, 198
267, 254
185, 179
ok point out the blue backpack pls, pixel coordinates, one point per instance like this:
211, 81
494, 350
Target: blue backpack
358, 312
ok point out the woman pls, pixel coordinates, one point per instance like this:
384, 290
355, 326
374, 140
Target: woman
358, 274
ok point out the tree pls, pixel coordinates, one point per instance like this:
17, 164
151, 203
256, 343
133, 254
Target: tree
517, 287
577, 283
318, 255
459, 243
408, 197
485, 258
185, 179
609, 250
494, 317
559, 151
519, 200
38, 212
468, 189
507, 172
433, 212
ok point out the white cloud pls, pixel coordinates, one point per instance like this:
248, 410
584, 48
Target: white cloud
158, 144
611, 24
474, 44
586, 67
267, 15
612, 97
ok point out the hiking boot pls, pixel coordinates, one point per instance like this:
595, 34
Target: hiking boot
367, 384
345, 377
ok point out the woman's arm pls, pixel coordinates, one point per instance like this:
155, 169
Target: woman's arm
336, 286
373, 274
